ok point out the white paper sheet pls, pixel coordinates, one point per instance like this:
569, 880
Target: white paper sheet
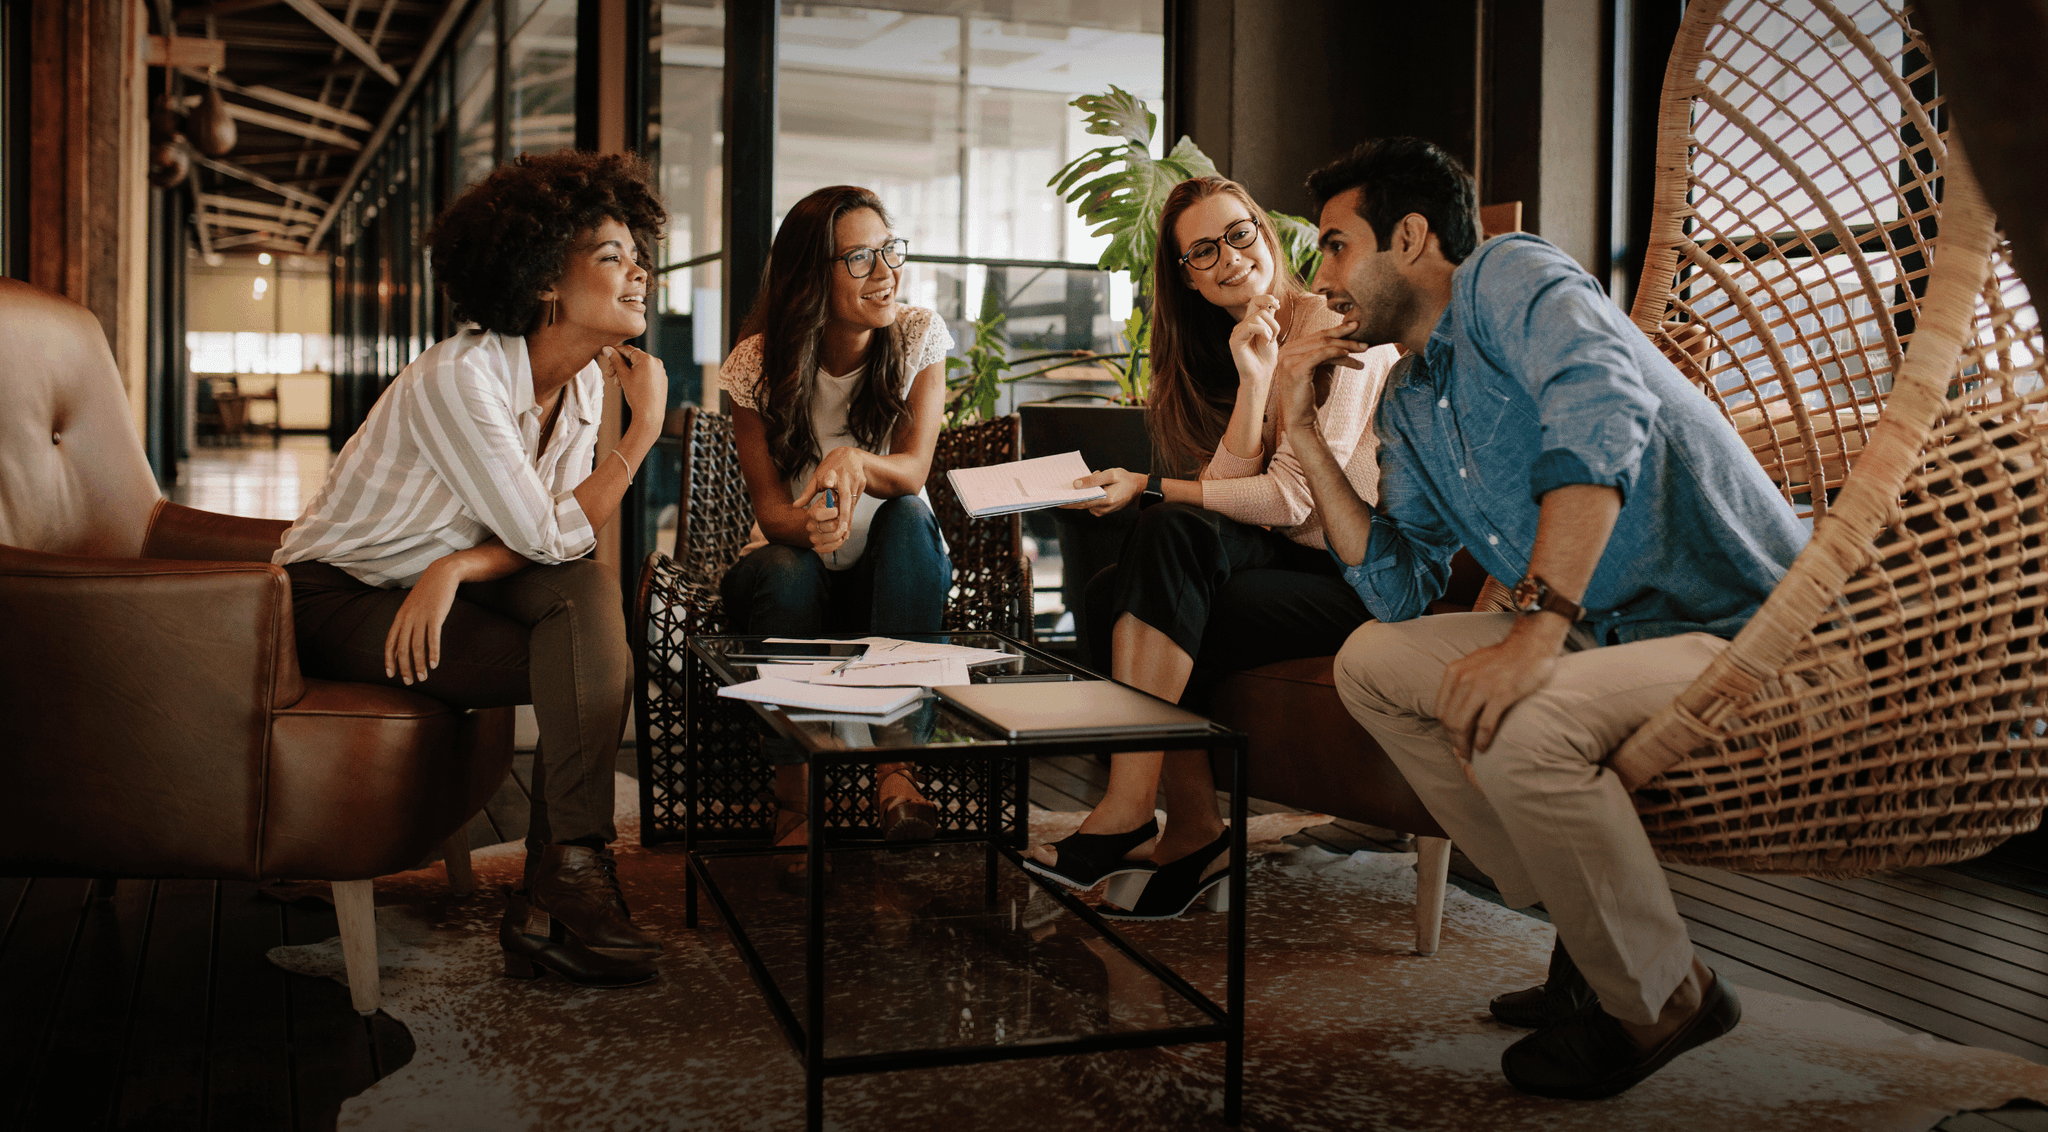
822, 697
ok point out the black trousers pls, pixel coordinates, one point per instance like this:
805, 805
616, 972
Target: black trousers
550, 636
1233, 596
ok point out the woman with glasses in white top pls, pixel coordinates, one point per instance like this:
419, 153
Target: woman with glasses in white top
837, 395
1227, 568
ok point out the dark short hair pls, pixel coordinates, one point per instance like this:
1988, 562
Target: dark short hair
1398, 176
507, 237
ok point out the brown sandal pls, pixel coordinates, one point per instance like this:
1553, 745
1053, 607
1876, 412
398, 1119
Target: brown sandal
792, 871
906, 821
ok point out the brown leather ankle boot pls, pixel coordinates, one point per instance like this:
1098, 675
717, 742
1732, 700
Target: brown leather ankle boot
530, 952
579, 888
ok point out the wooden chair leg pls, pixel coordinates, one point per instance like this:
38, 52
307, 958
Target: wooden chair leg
355, 906
455, 854
1432, 873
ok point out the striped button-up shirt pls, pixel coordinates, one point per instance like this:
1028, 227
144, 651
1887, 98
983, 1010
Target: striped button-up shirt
448, 459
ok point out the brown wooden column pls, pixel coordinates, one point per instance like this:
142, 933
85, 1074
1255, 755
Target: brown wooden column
611, 53
87, 206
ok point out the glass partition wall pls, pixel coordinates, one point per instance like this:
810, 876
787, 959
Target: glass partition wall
957, 116
955, 113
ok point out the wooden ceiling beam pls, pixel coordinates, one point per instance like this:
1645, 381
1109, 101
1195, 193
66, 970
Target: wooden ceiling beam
347, 37
254, 223
217, 201
224, 8
271, 121
275, 97
230, 169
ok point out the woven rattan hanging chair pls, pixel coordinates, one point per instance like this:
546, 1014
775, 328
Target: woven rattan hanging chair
1885, 708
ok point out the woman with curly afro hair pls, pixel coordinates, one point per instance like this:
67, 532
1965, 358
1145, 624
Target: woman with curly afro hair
837, 392
446, 550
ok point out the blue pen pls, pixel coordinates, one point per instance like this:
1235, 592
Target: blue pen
829, 497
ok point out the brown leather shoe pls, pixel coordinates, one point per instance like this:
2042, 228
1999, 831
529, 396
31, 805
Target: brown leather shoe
1589, 1055
530, 953
578, 888
906, 820
1563, 994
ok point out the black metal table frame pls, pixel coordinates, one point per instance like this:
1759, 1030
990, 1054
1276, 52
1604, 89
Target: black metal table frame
806, 1035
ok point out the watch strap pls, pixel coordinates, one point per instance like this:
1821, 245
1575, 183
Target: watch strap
1534, 595
1154, 492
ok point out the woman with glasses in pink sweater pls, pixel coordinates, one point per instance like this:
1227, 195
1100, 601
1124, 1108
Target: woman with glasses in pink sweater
1227, 568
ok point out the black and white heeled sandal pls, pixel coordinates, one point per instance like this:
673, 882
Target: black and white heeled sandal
1172, 889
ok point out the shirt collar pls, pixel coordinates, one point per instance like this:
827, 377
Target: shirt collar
588, 381
588, 408
1437, 354
521, 368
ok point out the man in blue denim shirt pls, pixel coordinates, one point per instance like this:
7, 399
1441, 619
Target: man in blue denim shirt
1535, 426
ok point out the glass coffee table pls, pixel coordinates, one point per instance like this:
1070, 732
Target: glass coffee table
948, 952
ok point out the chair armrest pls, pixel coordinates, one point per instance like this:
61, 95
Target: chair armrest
187, 533
216, 636
136, 698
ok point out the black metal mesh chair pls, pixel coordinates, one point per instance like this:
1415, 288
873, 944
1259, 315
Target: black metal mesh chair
679, 598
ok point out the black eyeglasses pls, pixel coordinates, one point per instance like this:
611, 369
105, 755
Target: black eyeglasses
1202, 255
860, 262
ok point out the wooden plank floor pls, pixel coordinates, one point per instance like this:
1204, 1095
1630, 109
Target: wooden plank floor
157, 1010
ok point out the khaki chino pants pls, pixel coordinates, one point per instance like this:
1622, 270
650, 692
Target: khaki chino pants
1545, 820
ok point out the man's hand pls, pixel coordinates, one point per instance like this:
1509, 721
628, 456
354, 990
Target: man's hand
413, 646
1119, 488
1294, 374
1479, 688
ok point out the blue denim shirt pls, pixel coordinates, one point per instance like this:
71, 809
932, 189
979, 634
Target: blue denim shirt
1534, 379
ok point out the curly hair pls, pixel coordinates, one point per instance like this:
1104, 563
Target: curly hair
507, 237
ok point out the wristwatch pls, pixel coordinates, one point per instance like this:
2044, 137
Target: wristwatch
1152, 493
1534, 595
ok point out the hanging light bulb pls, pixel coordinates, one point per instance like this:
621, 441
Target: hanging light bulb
262, 285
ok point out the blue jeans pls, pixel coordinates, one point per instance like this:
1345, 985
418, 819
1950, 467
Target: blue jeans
898, 587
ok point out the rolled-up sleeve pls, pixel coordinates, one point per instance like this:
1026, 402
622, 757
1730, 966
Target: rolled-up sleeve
1407, 560
1559, 339
468, 434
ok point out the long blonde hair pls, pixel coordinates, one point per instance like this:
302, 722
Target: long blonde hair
1194, 379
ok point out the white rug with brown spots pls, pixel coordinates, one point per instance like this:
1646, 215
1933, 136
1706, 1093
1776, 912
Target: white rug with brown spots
1347, 1028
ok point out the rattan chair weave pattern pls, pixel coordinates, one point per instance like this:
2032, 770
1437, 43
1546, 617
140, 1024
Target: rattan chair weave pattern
1885, 708
692, 744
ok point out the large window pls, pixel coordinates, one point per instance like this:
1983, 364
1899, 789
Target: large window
687, 145
958, 121
540, 94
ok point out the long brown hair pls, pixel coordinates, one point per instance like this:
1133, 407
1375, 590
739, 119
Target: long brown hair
1194, 379
790, 313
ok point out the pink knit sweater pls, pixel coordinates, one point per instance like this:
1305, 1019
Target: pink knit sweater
1274, 492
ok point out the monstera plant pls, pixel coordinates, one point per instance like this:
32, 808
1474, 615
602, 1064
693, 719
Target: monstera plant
1120, 188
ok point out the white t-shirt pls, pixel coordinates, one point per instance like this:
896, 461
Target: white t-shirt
928, 340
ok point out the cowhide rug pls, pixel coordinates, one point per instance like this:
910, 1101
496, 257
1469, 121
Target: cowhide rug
1347, 1027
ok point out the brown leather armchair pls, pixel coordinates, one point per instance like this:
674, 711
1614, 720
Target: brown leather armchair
153, 719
